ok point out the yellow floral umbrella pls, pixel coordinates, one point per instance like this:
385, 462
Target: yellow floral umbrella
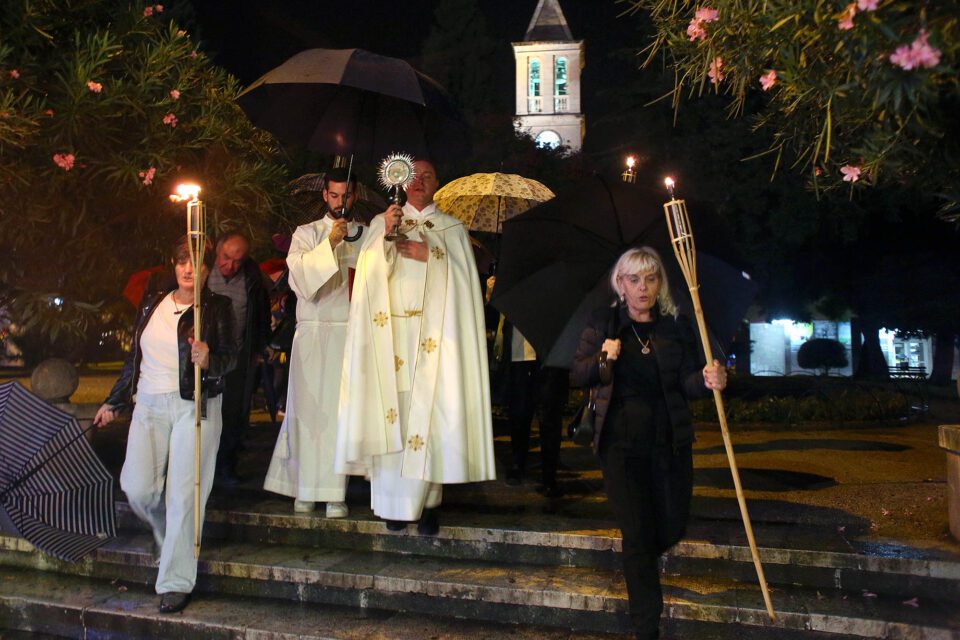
484, 200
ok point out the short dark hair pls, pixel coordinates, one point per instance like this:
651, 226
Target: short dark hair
339, 175
181, 251
433, 163
228, 235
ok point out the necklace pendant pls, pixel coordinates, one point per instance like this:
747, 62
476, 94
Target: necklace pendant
645, 350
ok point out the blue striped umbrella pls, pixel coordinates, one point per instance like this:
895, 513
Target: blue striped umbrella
54, 491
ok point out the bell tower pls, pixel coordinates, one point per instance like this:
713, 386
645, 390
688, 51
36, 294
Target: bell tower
549, 62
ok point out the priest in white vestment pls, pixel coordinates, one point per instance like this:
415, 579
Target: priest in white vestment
319, 261
415, 396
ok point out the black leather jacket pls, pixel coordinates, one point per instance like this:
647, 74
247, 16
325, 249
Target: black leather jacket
678, 358
216, 330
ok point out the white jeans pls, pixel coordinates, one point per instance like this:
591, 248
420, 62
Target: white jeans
160, 455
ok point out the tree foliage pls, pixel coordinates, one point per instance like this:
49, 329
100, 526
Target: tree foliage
104, 107
862, 91
823, 354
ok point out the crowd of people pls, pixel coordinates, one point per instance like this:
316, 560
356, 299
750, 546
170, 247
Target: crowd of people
389, 378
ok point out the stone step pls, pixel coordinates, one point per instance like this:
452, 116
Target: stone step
40, 606
791, 554
579, 598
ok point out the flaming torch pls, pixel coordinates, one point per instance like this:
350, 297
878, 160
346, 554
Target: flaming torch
629, 175
681, 237
196, 233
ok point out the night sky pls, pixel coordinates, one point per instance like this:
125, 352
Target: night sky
250, 37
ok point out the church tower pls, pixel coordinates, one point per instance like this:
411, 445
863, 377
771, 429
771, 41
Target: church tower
549, 62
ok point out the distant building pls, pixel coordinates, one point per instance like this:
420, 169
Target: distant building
549, 62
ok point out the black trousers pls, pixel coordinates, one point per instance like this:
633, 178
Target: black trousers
649, 488
237, 393
531, 386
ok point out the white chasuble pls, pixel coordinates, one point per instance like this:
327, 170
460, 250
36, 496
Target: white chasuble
302, 462
415, 383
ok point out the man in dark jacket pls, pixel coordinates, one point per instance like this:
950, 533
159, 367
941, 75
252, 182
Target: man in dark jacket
236, 276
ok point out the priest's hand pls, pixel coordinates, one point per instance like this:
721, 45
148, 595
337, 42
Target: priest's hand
338, 232
413, 250
391, 217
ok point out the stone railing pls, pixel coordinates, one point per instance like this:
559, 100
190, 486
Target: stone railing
534, 104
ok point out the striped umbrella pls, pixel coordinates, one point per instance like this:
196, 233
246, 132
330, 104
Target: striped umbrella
54, 491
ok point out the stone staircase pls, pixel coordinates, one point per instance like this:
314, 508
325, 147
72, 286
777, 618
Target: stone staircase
266, 572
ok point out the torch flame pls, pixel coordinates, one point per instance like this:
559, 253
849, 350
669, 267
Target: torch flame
186, 191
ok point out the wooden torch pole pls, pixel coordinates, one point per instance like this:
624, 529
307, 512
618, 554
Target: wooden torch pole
197, 235
681, 236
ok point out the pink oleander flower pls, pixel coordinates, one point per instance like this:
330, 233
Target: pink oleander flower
158, 8
706, 14
919, 54
95, 87
49, 112
867, 5
181, 33
845, 21
768, 79
147, 175
170, 119
14, 74
193, 54
147, 12
696, 31
716, 71
64, 160
850, 173
174, 94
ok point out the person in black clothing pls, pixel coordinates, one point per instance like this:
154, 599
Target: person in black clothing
158, 470
644, 363
238, 277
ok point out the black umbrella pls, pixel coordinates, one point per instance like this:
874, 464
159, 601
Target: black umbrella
351, 101
556, 259
54, 491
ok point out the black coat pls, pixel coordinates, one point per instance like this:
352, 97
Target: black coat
679, 361
216, 330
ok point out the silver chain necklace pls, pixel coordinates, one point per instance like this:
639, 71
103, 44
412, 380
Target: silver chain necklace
645, 346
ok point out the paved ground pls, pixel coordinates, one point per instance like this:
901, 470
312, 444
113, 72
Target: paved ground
884, 485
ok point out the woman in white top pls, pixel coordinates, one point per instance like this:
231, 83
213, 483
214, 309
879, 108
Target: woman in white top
158, 471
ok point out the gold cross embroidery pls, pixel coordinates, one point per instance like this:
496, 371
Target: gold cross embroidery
397, 363
429, 345
391, 416
380, 319
437, 253
416, 442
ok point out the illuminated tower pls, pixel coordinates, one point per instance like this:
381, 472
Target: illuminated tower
549, 62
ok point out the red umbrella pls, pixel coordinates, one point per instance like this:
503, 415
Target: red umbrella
137, 285
273, 267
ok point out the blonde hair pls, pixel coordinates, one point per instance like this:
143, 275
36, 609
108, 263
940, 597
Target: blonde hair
644, 260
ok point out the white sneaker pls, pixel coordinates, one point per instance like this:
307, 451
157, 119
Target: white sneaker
337, 510
303, 506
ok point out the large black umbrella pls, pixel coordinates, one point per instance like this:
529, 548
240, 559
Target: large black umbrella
351, 101
54, 491
556, 259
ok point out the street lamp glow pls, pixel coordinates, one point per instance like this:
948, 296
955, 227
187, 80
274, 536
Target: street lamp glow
186, 191
631, 161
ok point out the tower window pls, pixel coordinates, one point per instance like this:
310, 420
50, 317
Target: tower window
534, 89
560, 75
548, 139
